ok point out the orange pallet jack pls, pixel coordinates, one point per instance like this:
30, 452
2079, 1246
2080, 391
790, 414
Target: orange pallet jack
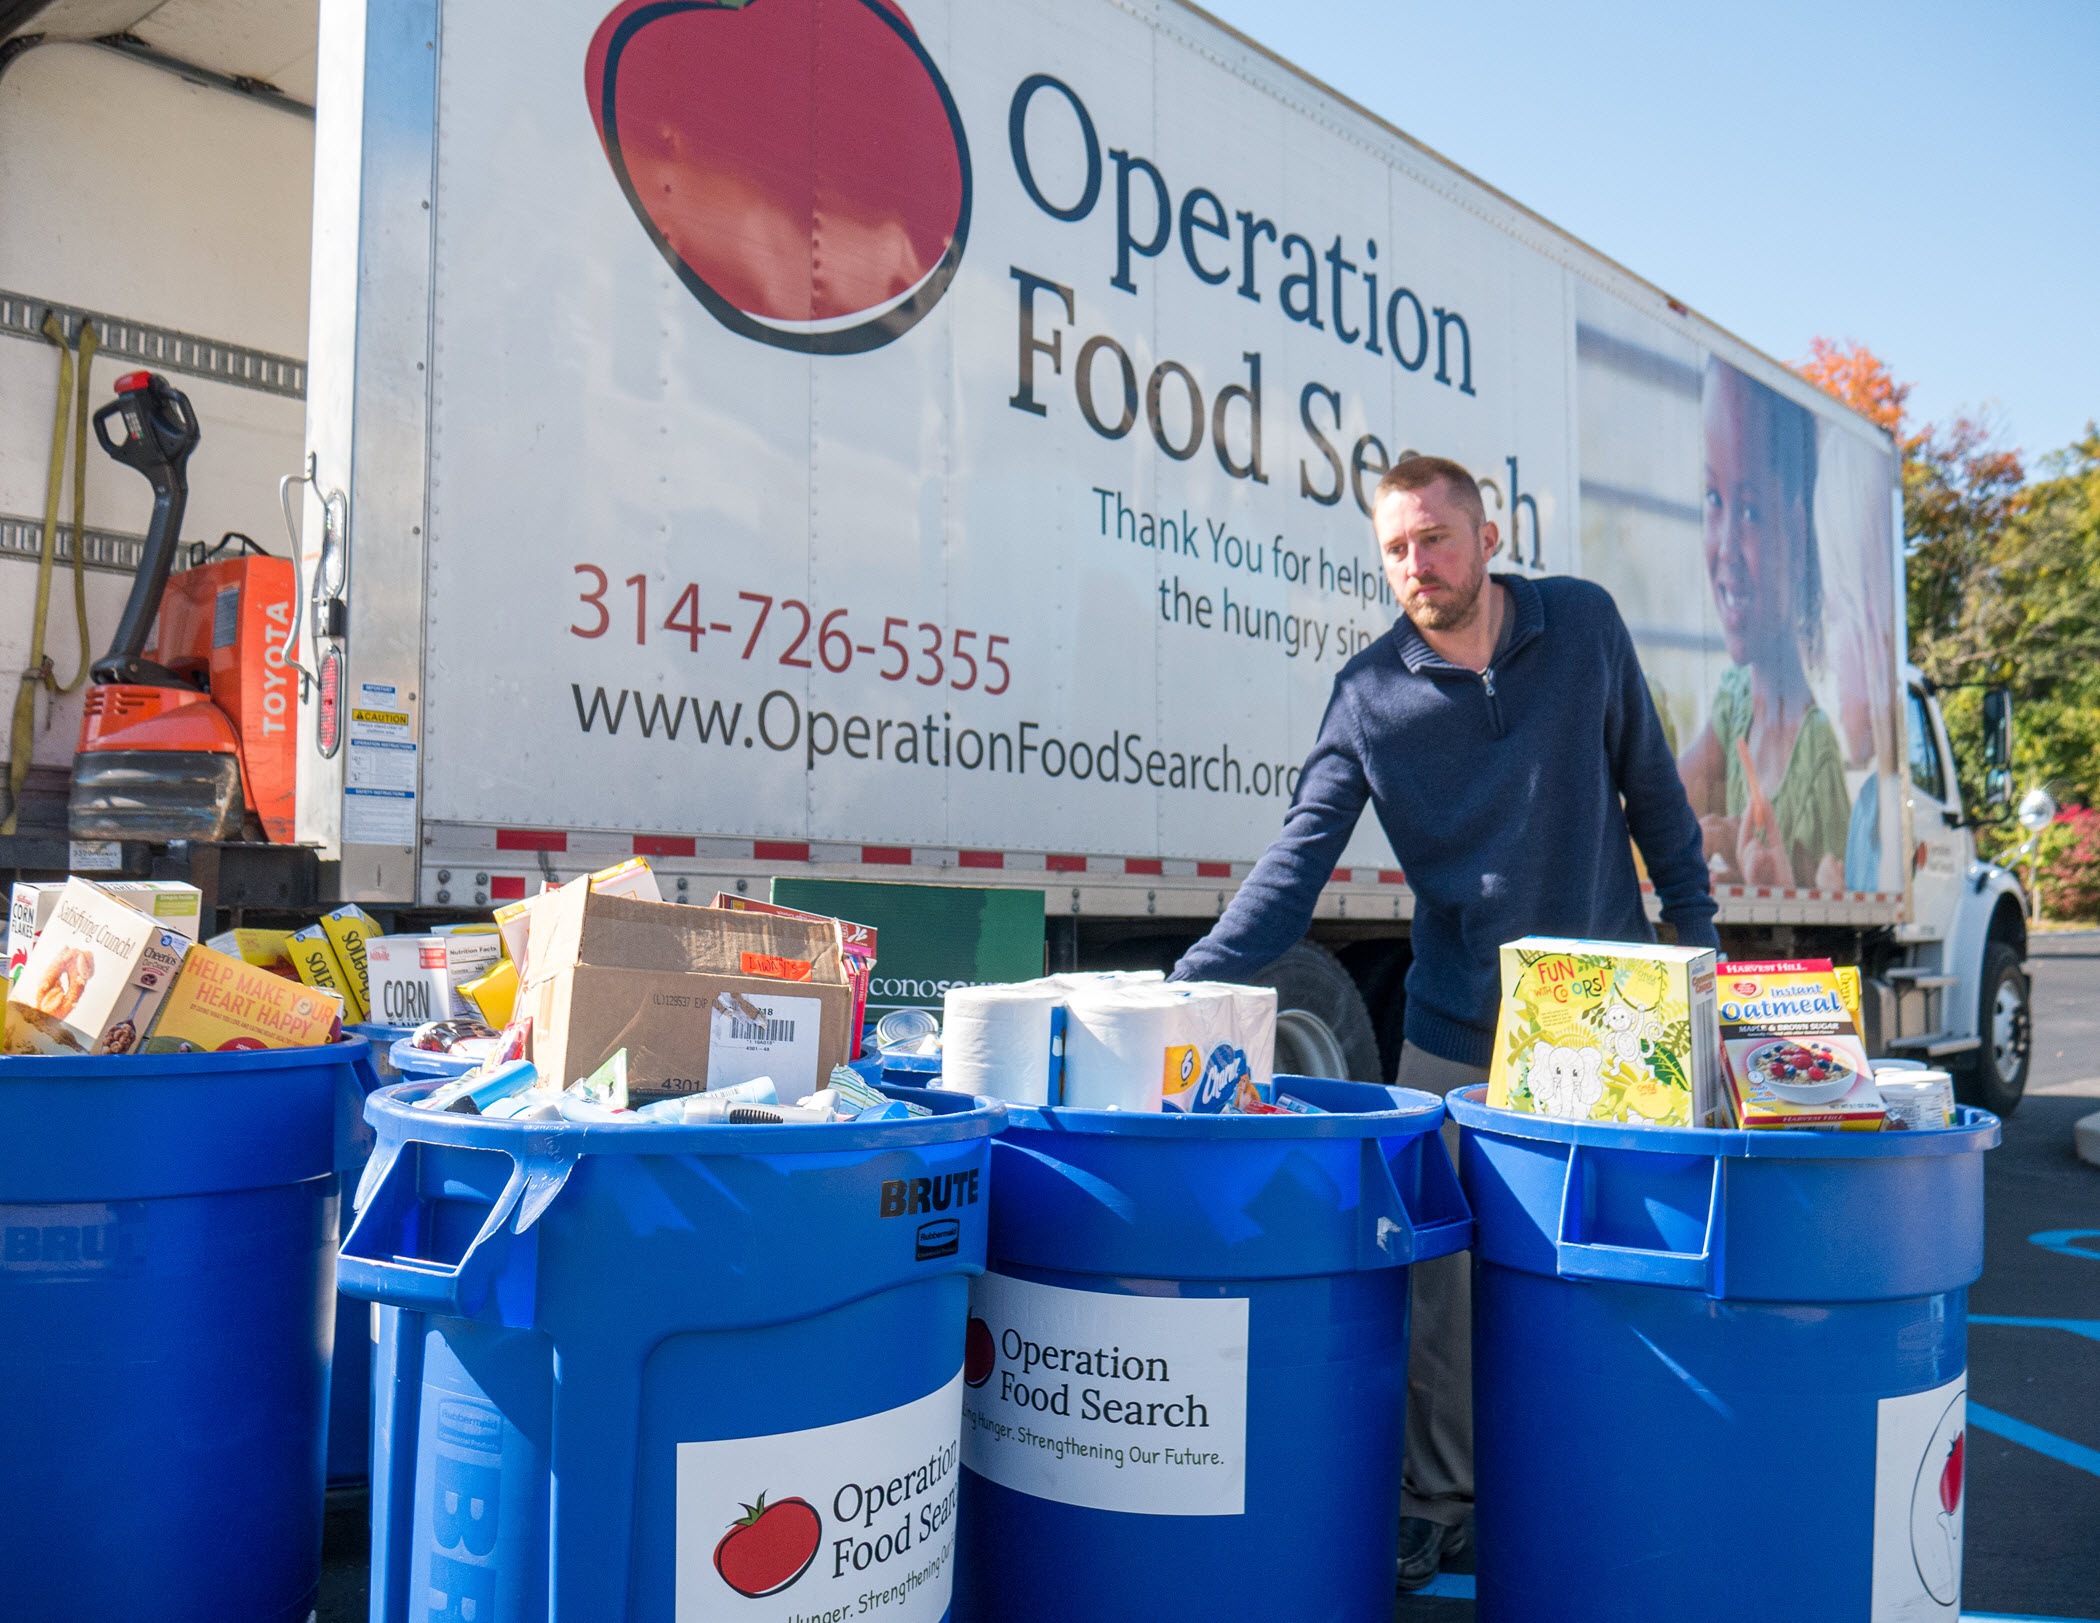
192, 737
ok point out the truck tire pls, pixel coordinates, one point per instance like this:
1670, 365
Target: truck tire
1997, 1077
1322, 1027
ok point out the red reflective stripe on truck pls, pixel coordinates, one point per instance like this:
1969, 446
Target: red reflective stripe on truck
1342, 876
1065, 864
886, 856
1213, 870
662, 845
980, 859
1141, 865
505, 887
779, 851
1391, 876
531, 839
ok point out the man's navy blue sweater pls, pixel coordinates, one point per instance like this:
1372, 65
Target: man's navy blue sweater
1508, 795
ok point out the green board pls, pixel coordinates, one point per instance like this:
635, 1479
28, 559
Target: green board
930, 937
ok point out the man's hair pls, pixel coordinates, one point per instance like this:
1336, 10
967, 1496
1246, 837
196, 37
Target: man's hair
1420, 472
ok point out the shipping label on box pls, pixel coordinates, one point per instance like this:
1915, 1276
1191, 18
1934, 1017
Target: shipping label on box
94, 979
1608, 1031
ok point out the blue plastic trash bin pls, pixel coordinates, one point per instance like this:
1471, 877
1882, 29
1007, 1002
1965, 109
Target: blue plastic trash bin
350, 1377
167, 1303
639, 1372
414, 1063
1188, 1360
1719, 1375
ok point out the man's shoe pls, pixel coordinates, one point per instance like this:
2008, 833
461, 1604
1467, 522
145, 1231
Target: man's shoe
1424, 1547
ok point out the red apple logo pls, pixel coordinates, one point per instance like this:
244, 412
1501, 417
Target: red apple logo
769, 1547
979, 1353
800, 164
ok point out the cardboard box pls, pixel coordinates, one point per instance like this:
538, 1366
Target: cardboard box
313, 956
1608, 1031
1791, 1046
632, 879
220, 1003
348, 929
699, 997
94, 979
857, 941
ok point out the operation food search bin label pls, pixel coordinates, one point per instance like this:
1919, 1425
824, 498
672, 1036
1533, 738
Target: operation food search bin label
1920, 1494
855, 1520
1130, 1403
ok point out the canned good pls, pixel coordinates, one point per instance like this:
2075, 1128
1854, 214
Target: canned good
1915, 1098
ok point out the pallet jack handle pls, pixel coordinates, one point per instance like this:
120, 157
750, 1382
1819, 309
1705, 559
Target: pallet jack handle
160, 432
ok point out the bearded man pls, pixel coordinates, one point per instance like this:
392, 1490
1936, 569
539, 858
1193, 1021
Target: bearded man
1504, 734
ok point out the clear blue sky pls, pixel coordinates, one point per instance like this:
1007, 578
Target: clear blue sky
1922, 177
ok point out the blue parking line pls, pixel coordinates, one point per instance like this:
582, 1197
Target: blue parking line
2065, 1242
2057, 1448
2089, 1328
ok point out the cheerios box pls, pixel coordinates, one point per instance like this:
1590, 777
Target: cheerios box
1791, 1050
1608, 1031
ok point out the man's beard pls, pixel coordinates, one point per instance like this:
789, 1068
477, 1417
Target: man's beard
1446, 614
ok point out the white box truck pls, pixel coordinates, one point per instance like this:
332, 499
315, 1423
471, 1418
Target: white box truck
931, 441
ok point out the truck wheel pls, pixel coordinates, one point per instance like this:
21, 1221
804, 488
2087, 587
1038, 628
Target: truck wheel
1998, 1076
1322, 1027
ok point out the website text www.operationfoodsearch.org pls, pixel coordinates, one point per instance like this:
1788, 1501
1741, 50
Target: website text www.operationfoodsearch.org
781, 723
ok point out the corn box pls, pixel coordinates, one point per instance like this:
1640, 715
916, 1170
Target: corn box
1790, 1044
1608, 1031
220, 1002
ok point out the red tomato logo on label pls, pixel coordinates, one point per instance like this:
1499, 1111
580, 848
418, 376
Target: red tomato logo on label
769, 1547
800, 164
979, 1353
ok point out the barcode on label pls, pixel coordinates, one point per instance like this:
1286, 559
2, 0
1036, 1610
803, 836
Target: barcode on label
762, 1031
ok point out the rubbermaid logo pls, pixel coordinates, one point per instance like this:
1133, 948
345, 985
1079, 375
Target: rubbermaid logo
942, 1238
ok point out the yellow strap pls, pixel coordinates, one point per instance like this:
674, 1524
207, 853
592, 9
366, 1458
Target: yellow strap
39, 672
89, 343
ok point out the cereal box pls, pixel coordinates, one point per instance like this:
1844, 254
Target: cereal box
95, 977
1608, 1031
221, 1003
1792, 1052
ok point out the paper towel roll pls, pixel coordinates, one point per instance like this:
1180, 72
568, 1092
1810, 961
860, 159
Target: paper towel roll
995, 1041
1116, 1042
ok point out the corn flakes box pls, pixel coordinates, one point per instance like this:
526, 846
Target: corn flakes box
1791, 1050
1608, 1031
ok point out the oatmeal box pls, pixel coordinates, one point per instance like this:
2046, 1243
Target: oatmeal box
1791, 1049
1608, 1031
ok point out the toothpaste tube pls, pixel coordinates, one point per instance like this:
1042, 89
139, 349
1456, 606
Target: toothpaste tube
824, 1100
758, 1091
590, 1113
1297, 1106
606, 1086
477, 1090
707, 1108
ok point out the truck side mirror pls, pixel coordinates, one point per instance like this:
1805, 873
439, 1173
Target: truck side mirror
1997, 729
1997, 786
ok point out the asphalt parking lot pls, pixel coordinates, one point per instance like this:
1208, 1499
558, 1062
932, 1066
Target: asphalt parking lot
2033, 1523
2033, 1532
